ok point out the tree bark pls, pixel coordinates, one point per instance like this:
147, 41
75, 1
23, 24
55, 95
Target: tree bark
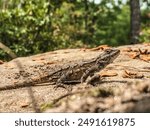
134, 21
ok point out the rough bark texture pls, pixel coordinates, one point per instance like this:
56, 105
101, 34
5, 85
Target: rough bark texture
135, 20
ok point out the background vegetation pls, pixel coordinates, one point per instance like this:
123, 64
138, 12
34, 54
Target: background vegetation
36, 26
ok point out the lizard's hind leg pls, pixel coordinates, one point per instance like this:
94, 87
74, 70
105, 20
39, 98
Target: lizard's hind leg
61, 82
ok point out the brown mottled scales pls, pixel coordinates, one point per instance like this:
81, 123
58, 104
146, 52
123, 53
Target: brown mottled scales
76, 72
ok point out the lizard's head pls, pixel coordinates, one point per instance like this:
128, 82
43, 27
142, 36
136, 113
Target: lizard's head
112, 54
109, 55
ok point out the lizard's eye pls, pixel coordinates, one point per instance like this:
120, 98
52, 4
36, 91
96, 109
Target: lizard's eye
108, 50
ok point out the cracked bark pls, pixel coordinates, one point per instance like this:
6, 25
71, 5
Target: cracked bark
134, 21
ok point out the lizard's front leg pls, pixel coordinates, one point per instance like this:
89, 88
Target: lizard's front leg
89, 72
93, 79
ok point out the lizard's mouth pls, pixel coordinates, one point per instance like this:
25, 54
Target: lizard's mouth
112, 55
116, 53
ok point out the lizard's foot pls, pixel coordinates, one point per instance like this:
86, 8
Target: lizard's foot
93, 80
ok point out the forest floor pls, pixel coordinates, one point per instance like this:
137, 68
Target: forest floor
124, 85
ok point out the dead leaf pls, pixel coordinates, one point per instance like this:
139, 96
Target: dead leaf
101, 47
135, 49
132, 74
128, 49
143, 51
38, 59
108, 73
50, 62
24, 104
1, 62
145, 57
133, 55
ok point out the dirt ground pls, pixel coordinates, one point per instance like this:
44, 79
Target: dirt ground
124, 85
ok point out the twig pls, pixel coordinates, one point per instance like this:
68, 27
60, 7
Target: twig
8, 50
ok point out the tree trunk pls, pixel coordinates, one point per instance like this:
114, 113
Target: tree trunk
135, 21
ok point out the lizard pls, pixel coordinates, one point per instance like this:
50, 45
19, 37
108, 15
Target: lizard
76, 72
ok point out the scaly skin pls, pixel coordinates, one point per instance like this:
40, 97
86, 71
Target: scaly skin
76, 72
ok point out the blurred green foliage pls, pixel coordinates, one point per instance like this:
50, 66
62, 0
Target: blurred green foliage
30, 27
145, 27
